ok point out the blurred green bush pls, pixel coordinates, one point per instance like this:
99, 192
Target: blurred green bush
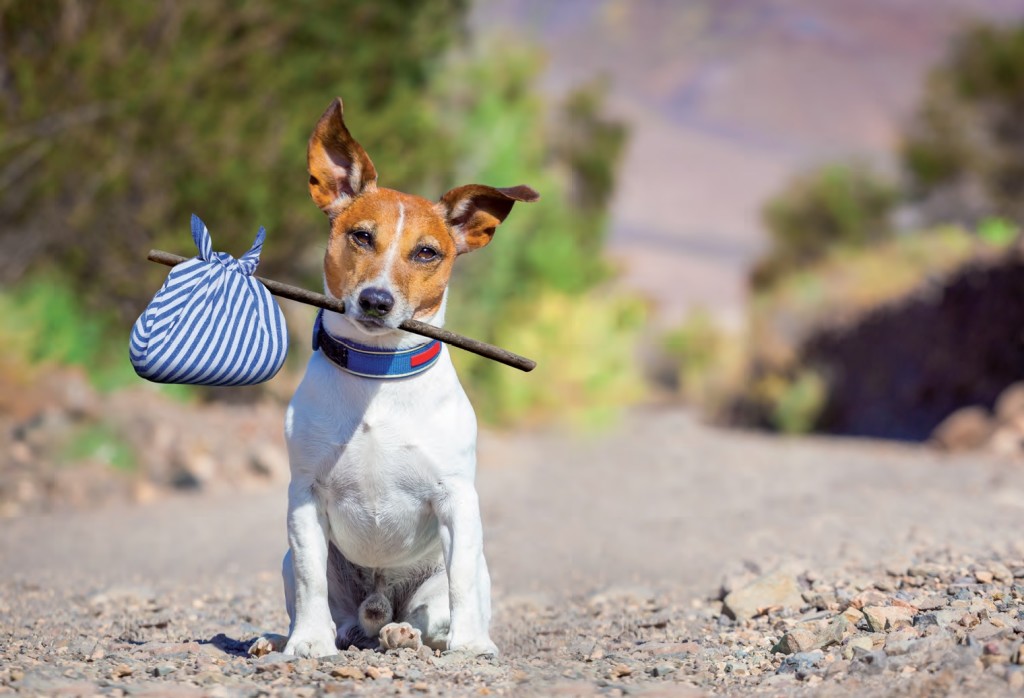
537, 288
119, 119
964, 150
43, 323
836, 204
832, 260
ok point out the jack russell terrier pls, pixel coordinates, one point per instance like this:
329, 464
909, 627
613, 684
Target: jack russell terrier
384, 533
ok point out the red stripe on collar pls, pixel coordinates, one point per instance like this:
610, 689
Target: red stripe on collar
432, 350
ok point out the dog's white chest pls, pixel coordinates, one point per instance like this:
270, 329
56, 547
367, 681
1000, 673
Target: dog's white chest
378, 500
377, 455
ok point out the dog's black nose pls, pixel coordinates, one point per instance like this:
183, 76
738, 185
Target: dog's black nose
376, 301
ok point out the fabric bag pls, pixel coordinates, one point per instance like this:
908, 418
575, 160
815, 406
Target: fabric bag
211, 323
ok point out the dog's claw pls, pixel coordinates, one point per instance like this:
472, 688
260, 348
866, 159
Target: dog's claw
265, 644
395, 636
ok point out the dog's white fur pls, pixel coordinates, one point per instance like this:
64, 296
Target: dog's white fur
383, 471
384, 532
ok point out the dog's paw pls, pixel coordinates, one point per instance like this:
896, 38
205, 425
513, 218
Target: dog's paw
302, 644
395, 636
477, 648
265, 644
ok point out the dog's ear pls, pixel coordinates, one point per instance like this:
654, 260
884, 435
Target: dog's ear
475, 210
339, 168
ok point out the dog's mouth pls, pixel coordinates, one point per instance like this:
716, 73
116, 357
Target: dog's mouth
370, 324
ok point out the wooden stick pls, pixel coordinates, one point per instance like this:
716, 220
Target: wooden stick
301, 295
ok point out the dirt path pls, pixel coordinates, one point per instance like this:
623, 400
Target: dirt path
605, 556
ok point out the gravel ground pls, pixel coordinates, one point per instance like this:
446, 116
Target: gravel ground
665, 558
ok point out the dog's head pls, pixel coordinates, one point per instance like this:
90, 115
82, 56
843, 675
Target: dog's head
390, 254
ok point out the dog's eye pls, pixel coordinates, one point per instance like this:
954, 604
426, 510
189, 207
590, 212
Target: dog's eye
363, 238
426, 254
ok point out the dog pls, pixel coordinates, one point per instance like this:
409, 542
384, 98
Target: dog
384, 532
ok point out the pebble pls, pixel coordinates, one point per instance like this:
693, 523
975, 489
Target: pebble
620, 670
348, 672
881, 618
776, 589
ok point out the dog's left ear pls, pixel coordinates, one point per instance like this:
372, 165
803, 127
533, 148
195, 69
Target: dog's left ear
475, 210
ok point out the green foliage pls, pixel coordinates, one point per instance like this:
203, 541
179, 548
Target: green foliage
121, 118
964, 151
796, 403
997, 231
102, 444
835, 205
44, 322
705, 357
586, 371
800, 403
546, 258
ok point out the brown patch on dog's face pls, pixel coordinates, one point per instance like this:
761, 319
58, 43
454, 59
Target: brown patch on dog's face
390, 254
393, 241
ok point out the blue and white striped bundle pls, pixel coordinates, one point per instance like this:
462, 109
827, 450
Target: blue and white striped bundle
211, 323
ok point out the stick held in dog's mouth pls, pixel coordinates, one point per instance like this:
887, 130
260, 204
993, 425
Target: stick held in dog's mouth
488, 351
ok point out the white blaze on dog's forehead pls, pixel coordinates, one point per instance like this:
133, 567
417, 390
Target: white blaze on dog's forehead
396, 243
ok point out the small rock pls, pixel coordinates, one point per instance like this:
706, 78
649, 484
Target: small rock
863, 643
881, 618
1010, 404
269, 461
869, 597
1015, 679
121, 670
163, 670
900, 642
942, 618
796, 640
801, 663
986, 631
379, 673
275, 658
853, 615
1001, 572
1006, 441
966, 429
806, 639
663, 670
932, 603
984, 576
822, 601
620, 670
870, 662
776, 589
926, 569
348, 672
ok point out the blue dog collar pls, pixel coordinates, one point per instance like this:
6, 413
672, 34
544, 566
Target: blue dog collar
371, 362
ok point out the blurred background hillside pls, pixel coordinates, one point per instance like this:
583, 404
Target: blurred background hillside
792, 215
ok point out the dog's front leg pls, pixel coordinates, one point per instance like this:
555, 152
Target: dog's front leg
312, 632
469, 585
